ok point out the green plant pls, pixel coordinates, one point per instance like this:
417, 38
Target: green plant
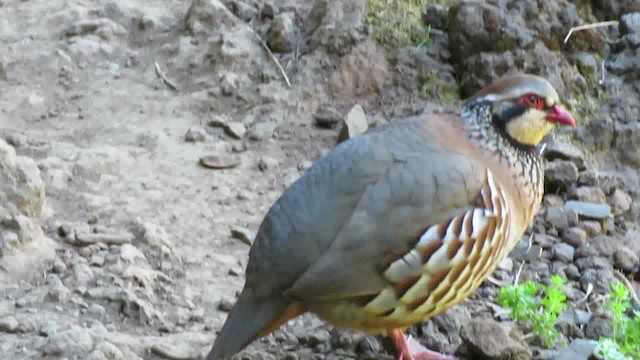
624, 344
539, 311
432, 87
397, 23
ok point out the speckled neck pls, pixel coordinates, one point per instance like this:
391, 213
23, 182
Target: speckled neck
525, 161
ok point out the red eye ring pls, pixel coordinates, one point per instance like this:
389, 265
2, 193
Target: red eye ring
532, 100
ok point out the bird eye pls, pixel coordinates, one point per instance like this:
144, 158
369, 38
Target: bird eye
533, 100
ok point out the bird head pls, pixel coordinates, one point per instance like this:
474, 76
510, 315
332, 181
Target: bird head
525, 108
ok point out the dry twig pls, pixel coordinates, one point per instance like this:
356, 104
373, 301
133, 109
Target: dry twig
164, 78
273, 57
589, 26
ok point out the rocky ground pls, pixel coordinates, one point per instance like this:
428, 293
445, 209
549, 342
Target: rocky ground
142, 142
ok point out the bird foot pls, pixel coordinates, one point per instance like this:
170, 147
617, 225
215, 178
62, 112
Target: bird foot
404, 347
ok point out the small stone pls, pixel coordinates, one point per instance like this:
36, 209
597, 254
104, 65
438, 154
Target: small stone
588, 178
263, 131
281, 35
218, 121
560, 175
172, 351
96, 260
565, 151
69, 343
563, 252
620, 202
48, 329
486, 338
588, 210
552, 200
354, 124
598, 327
557, 218
8, 324
326, 116
318, 337
577, 349
58, 266
590, 194
229, 84
575, 236
243, 234
96, 309
545, 241
506, 264
625, 260
268, 11
572, 272
220, 161
130, 254
593, 228
304, 165
630, 23
267, 163
64, 230
57, 291
225, 304
195, 135
235, 129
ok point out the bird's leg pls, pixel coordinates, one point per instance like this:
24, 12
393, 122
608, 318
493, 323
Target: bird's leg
404, 350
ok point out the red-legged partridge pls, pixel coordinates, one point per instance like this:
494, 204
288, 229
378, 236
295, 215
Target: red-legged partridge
400, 223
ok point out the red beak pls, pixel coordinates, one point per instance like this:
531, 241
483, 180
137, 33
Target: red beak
559, 115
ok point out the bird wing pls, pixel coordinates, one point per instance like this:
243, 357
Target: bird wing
331, 234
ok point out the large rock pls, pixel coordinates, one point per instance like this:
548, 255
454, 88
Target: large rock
23, 246
21, 186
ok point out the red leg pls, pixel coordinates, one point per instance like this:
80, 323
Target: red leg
404, 350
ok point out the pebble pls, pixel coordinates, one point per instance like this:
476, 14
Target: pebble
130, 254
563, 252
620, 202
106, 238
560, 174
592, 227
220, 161
172, 351
263, 131
572, 272
625, 259
8, 324
281, 35
69, 343
575, 236
243, 234
590, 194
235, 129
96, 260
57, 291
48, 329
588, 210
557, 218
267, 163
58, 266
195, 135
354, 124
327, 117
565, 151
225, 304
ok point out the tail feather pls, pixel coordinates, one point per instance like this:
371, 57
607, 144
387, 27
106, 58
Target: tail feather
250, 319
